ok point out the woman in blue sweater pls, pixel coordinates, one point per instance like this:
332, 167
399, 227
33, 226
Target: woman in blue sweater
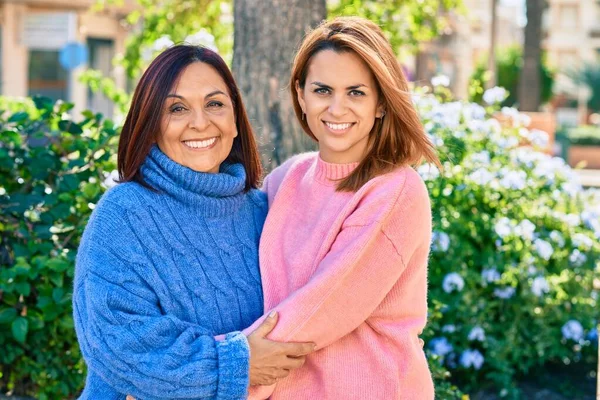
169, 257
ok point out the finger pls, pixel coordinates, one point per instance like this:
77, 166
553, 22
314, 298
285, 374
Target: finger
297, 349
267, 325
282, 373
295, 362
129, 397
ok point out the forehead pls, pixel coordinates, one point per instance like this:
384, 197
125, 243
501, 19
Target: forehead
344, 69
199, 78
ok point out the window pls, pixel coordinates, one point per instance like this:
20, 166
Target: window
46, 76
101, 53
568, 16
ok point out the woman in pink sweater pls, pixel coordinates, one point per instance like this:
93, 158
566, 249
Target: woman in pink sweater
344, 248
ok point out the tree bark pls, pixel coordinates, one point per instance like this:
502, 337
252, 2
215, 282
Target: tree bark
530, 80
267, 34
492, 59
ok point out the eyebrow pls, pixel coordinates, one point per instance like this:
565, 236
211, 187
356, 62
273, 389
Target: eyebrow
353, 87
211, 94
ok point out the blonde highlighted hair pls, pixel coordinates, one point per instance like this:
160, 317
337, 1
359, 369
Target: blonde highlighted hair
396, 139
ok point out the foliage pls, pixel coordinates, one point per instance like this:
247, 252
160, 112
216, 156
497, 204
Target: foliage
509, 64
51, 176
407, 23
585, 135
589, 76
515, 250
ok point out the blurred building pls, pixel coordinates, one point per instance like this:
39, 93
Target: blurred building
571, 39
33, 38
467, 41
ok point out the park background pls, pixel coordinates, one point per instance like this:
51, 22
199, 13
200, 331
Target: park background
515, 266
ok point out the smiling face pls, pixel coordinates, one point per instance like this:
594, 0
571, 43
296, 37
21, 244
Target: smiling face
198, 124
341, 101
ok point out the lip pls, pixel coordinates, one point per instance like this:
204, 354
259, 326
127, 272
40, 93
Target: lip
200, 140
337, 131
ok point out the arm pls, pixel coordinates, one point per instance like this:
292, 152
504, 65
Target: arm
362, 266
135, 348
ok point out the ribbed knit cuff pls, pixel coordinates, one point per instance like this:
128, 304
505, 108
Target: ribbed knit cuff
234, 365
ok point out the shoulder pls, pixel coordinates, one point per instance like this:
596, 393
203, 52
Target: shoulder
386, 196
258, 199
299, 162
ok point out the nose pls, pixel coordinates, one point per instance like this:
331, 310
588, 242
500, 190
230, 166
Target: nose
337, 107
198, 120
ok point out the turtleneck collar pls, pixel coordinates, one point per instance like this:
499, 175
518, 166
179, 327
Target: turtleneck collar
212, 194
330, 173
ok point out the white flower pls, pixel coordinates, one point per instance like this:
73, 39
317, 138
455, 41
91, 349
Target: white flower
473, 111
440, 80
538, 138
577, 258
440, 241
525, 229
453, 281
471, 358
582, 241
111, 179
440, 346
483, 157
572, 330
495, 95
516, 180
505, 292
202, 38
539, 286
428, 172
558, 238
481, 176
543, 248
162, 43
477, 333
503, 227
490, 275
449, 328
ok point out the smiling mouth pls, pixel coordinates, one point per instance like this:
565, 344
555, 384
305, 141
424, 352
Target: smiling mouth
339, 128
200, 144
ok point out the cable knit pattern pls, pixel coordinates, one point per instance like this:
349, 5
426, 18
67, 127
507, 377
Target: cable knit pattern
159, 274
348, 271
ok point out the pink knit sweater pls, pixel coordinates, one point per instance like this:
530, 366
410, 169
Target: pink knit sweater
347, 271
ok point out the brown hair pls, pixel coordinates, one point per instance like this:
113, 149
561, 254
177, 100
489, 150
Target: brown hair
397, 139
142, 125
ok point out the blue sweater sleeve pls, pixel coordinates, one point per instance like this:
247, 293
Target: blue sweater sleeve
130, 343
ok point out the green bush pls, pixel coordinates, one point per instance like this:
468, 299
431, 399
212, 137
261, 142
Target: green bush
51, 175
584, 136
515, 251
509, 63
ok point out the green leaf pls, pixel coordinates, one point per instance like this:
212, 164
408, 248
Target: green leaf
7, 315
20, 326
69, 126
18, 117
43, 103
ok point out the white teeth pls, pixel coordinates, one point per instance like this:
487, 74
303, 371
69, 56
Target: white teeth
199, 144
338, 127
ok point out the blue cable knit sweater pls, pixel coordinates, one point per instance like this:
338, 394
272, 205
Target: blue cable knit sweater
159, 274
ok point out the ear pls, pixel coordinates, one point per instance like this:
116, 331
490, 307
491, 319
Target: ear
300, 92
380, 111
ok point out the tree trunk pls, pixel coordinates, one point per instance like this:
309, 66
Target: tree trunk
492, 59
266, 36
530, 80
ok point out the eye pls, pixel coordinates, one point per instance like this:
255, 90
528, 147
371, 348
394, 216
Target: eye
176, 109
321, 91
215, 104
356, 93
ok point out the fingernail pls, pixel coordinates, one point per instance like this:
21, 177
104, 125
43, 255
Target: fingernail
272, 314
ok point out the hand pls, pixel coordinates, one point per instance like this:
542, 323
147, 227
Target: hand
129, 397
269, 360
